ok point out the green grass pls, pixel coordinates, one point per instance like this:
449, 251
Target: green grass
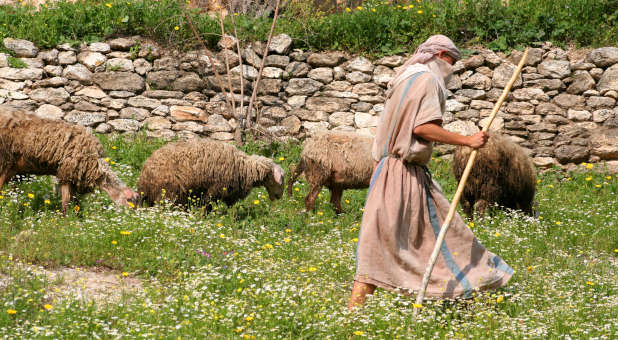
269, 270
377, 28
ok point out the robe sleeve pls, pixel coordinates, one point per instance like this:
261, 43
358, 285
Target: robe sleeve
431, 106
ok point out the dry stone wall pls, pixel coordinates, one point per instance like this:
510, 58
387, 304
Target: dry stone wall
562, 109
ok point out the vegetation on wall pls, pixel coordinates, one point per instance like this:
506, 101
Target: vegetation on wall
375, 27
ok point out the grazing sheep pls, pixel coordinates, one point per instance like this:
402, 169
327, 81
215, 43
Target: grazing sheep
502, 174
206, 170
32, 145
337, 160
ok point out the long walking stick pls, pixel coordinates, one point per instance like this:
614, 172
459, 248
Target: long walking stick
460, 187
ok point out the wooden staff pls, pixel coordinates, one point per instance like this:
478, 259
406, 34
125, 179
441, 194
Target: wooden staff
460, 187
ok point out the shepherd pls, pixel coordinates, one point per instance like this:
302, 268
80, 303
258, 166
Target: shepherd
405, 206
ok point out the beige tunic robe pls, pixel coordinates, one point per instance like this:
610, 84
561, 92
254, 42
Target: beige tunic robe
405, 207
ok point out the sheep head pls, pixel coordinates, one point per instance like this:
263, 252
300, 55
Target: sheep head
114, 187
274, 183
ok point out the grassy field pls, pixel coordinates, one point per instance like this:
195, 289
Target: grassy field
268, 270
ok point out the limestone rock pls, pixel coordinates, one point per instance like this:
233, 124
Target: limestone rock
78, 72
249, 72
119, 64
391, 61
604, 56
302, 86
477, 81
556, 69
321, 74
341, 119
360, 64
227, 42
281, 61
600, 102
604, 143
47, 111
496, 125
161, 94
22, 48
123, 81
466, 128
549, 109
599, 116
134, 113
67, 58
50, 95
21, 73
327, 104
92, 92
315, 127
582, 81
187, 113
367, 89
85, 118
502, 75
91, 60
129, 125
291, 124
327, 59
123, 44
578, 115
310, 115
609, 80
358, 77
188, 82
365, 120
297, 69
272, 72
280, 44
142, 66
140, 101
526, 94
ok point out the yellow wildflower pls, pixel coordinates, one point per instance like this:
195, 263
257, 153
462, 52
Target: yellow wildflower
286, 240
497, 234
470, 224
551, 185
417, 305
373, 10
30, 195
598, 185
589, 178
256, 202
125, 232
590, 283
47, 202
347, 9
125, 274
114, 242
354, 240
320, 213
589, 166
222, 235
538, 181
131, 205
500, 299
282, 158
609, 177
108, 5
76, 208
296, 189
176, 28
359, 333
312, 269
347, 201
419, 11
360, 8
249, 318
288, 230
106, 159
11, 311
114, 147
558, 223
47, 306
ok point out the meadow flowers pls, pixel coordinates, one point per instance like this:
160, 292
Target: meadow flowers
11, 311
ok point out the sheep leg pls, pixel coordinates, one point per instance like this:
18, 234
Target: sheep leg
468, 209
65, 192
314, 191
5, 177
335, 198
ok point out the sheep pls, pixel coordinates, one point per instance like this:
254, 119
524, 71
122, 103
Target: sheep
502, 174
207, 170
33, 145
337, 160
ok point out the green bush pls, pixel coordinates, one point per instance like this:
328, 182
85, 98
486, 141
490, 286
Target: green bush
374, 28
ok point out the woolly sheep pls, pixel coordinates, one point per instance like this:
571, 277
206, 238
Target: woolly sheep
207, 170
337, 160
32, 145
502, 174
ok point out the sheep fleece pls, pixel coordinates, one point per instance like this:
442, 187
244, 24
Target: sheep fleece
205, 169
502, 174
49, 147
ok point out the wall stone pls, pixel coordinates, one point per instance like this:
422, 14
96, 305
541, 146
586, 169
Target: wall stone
562, 111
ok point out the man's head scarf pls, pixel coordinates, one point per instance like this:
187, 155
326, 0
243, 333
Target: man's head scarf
427, 50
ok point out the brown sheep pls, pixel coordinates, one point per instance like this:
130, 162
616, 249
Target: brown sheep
502, 174
32, 145
337, 160
207, 170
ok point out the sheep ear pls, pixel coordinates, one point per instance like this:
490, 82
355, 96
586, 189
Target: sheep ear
278, 174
